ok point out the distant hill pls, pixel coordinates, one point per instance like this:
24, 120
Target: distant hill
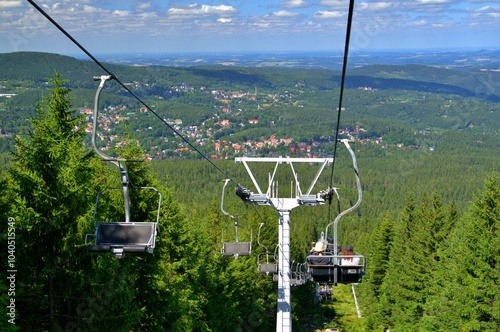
37, 67
484, 85
389, 101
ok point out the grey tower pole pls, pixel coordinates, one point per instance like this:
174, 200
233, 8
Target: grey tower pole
283, 206
284, 317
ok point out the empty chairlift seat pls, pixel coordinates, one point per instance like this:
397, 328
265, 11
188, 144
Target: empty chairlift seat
236, 248
297, 279
263, 265
121, 237
267, 268
350, 274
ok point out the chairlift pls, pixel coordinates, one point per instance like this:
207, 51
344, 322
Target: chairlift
236, 248
265, 267
298, 276
323, 291
293, 275
322, 267
332, 267
119, 237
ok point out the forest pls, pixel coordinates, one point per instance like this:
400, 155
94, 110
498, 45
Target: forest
428, 224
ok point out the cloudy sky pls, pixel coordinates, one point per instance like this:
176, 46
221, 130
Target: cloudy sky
138, 26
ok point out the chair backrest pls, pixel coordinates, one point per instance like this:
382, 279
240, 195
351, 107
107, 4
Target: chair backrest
350, 274
236, 248
121, 233
268, 268
324, 269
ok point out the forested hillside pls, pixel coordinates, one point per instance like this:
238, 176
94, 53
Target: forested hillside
239, 109
427, 145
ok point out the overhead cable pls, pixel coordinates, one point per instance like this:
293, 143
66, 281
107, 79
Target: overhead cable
113, 76
342, 84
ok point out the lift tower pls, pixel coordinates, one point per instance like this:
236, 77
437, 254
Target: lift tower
283, 206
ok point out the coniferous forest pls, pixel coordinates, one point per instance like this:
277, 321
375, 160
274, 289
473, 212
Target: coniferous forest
429, 223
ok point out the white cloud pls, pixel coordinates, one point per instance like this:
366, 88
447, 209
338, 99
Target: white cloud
433, 2
224, 20
374, 6
327, 15
426, 6
86, 9
285, 13
418, 23
142, 6
338, 4
121, 13
295, 4
489, 9
203, 10
148, 15
10, 3
261, 24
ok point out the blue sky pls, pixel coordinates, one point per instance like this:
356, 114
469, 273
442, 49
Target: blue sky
128, 26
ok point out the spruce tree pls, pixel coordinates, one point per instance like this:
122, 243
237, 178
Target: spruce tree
468, 296
9, 252
378, 261
391, 290
379, 256
50, 180
416, 255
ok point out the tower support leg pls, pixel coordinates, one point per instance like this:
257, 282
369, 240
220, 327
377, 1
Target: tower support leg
284, 317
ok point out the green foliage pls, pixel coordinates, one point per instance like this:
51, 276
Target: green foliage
7, 234
416, 253
51, 191
465, 297
382, 242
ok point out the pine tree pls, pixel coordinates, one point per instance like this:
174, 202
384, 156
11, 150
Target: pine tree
379, 256
10, 320
378, 260
416, 254
391, 289
51, 191
467, 298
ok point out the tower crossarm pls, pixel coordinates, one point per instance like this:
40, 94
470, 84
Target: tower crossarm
266, 198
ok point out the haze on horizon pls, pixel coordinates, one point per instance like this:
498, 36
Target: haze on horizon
136, 26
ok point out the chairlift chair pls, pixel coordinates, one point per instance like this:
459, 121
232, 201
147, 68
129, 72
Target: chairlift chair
323, 292
298, 277
293, 275
322, 268
120, 237
328, 267
236, 248
266, 267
